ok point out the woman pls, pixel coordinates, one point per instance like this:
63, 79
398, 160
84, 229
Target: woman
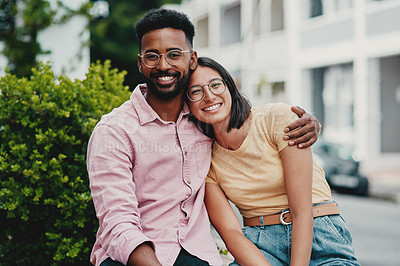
254, 167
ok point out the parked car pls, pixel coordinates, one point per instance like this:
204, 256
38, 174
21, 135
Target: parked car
341, 169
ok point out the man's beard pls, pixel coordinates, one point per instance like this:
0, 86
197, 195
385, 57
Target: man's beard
167, 94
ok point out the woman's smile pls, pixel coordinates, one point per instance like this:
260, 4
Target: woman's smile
213, 107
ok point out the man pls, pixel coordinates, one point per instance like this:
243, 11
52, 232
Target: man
147, 162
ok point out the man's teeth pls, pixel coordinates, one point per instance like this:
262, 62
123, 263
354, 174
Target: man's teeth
212, 107
165, 78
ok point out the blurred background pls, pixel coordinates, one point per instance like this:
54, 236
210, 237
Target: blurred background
338, 59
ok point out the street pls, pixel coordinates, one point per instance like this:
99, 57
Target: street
375, 226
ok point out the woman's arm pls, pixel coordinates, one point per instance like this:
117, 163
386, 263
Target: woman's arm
298, 168
227, 225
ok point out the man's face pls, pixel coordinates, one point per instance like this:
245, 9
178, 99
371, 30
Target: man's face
166, 81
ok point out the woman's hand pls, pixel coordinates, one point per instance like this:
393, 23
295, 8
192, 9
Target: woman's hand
304, 131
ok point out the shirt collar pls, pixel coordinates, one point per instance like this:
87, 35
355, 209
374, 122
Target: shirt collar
145, 113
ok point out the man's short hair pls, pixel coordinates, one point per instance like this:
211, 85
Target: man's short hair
164, 18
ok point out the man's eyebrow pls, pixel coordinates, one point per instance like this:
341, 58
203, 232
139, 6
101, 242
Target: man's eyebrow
173, 49
157, 52
151, 51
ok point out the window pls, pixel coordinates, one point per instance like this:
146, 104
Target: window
315, 8
324, 7
201, 40
230, 25
267, 18
333, 100
277, 19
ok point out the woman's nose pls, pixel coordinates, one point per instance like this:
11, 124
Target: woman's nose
208, 95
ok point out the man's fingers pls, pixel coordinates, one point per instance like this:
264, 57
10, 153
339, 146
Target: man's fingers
303, 142
299, 140
301, 122
304, 131
298, 110
300, 131
310, 142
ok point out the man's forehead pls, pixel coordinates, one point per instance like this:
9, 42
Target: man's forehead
164, 39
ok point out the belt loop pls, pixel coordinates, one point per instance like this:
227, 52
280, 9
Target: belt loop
262, 222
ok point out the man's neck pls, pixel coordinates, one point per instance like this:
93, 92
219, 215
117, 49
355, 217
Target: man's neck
167, 110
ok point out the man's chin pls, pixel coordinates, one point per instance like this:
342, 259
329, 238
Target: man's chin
165, 92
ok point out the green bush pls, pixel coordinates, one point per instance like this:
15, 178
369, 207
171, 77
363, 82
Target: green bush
46, 211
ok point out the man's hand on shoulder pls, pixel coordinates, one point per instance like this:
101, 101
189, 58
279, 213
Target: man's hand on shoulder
307, 129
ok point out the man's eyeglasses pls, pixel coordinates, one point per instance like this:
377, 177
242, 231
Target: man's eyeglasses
196, 93
173, 57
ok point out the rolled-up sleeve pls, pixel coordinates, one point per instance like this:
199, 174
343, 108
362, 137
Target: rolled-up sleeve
109, 162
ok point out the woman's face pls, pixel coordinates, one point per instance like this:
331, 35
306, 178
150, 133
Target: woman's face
212, 109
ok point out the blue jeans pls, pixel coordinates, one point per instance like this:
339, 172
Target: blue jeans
332, 242
184, 259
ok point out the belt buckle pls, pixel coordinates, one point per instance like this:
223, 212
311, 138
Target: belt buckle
282, 219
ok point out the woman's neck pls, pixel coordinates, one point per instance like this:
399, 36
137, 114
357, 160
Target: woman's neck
233, 139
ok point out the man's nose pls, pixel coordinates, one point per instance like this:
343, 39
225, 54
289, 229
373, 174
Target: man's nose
163, 64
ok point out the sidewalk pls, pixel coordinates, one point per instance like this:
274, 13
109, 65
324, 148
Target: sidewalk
384, 184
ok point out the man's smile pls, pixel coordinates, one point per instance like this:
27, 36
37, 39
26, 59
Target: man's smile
165, 79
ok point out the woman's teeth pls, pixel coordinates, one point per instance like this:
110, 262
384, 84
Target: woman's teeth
215, 106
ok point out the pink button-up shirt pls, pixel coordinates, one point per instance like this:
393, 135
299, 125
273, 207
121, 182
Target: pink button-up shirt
147, 182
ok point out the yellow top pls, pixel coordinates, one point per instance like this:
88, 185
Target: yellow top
252, 176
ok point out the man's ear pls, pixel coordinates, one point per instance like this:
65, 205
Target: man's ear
139, 61
193, 60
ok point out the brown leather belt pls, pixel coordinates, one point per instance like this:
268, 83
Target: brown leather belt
285, 218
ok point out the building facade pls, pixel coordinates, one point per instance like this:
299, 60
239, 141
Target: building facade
339, 59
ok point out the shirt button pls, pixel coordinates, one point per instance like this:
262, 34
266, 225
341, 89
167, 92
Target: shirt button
185, 153
188, 181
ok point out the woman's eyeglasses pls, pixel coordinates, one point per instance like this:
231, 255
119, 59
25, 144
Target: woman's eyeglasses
196, 93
